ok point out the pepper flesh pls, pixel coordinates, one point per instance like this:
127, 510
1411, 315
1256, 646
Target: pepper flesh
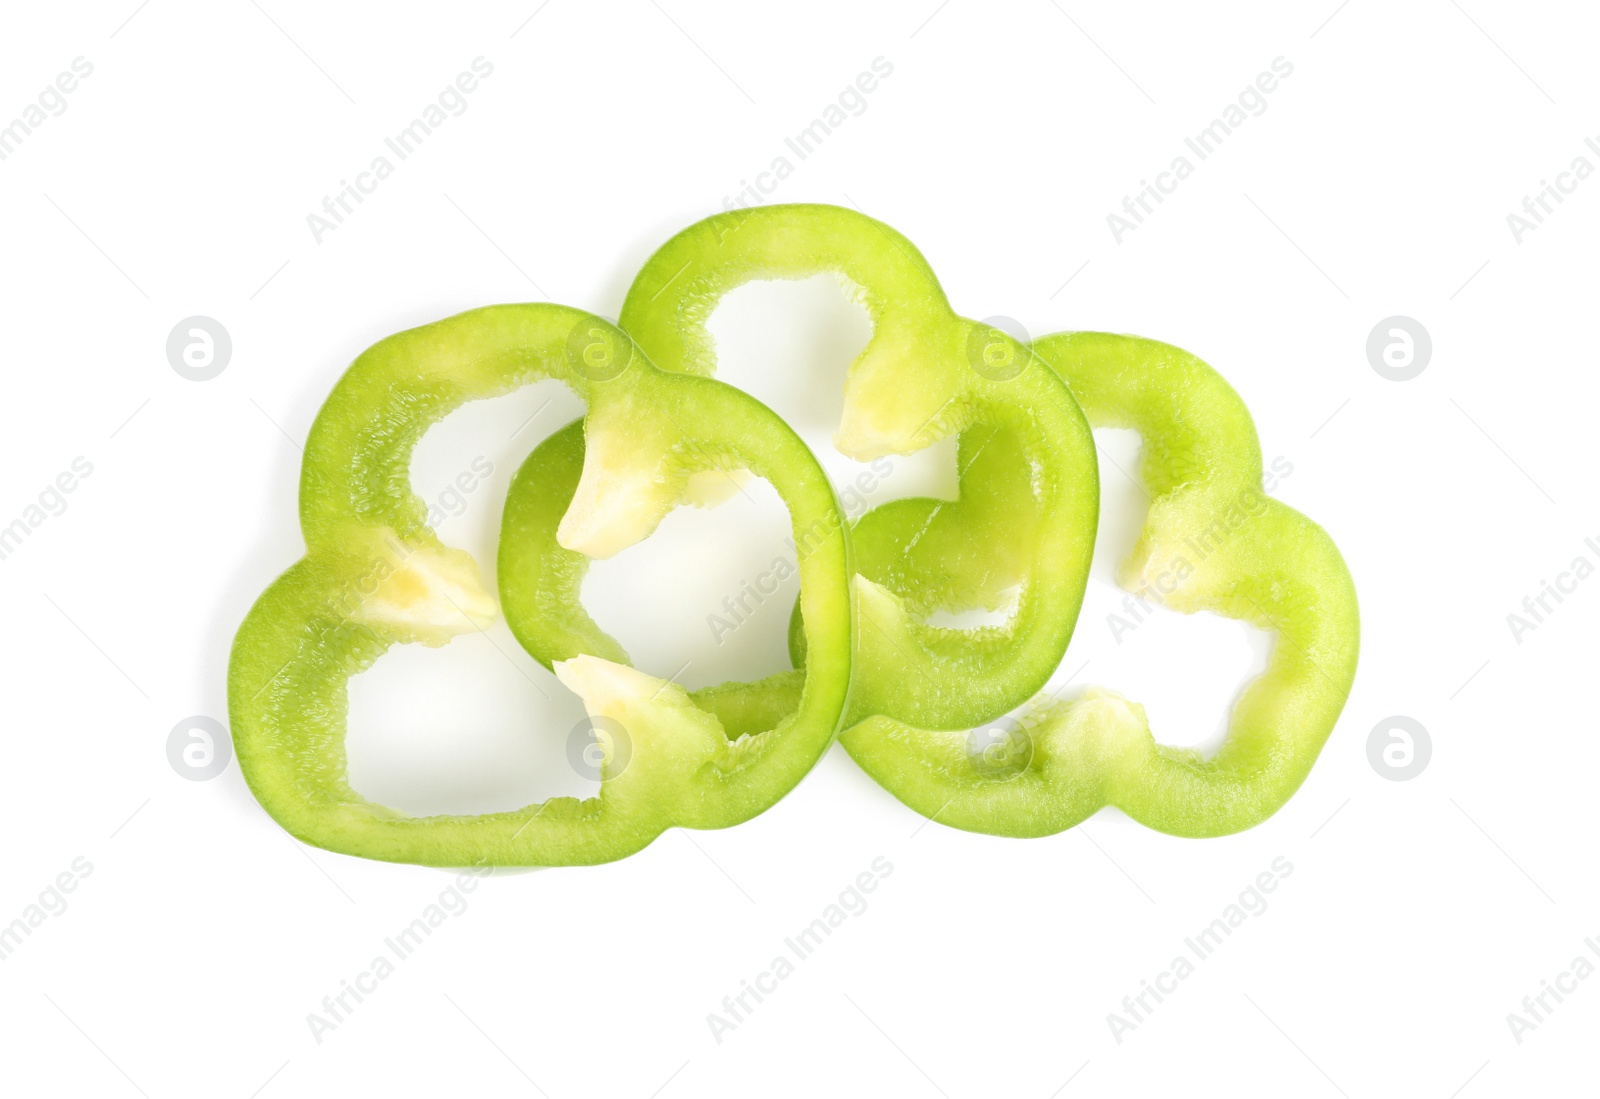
1271, 566
375, 574
1028, 494
1219, 544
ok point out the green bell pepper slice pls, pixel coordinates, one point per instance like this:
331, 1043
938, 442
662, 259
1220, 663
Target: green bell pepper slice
375, 574
1028, 497
1212, 541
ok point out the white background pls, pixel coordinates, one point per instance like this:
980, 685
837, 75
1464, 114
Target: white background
1377, 182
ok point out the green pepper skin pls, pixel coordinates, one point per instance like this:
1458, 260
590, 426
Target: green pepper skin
1211, 536
540, 583
1028, 495
1220, 545
375, 574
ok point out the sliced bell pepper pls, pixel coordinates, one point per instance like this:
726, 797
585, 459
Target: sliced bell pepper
1028, 492
1212, 541
375, 575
